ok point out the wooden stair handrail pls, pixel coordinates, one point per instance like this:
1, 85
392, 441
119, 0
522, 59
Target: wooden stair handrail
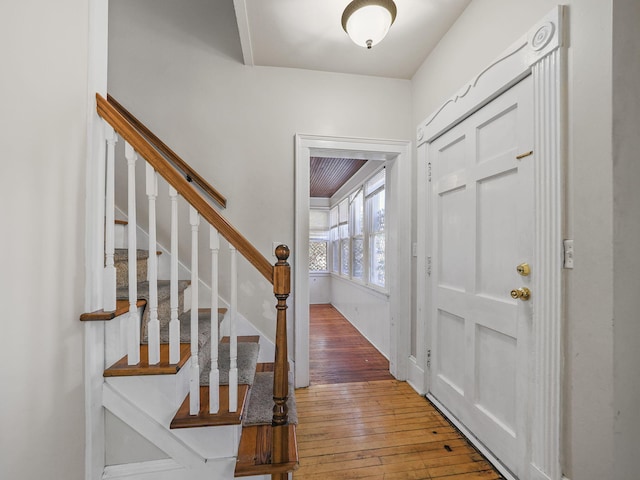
191, 174
121, 125
279, 275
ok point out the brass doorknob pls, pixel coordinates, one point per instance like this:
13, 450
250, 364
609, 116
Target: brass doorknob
523, 293
523, 269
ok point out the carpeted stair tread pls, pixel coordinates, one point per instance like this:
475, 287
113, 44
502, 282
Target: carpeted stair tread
260, 407
204, 325
204, 328
247, 360
122, 254
121, 262
164, 290
204, 333
164, 301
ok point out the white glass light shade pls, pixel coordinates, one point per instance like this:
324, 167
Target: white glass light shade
367, 21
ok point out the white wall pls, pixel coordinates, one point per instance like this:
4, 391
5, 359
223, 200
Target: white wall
366, 309
177, 66
319, 288
486, 28
626, 229
124, 445
43, 151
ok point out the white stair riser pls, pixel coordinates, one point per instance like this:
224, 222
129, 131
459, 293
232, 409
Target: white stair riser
120, 236
115, 344
160, 396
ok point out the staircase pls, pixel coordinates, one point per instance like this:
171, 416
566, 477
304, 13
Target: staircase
198, 395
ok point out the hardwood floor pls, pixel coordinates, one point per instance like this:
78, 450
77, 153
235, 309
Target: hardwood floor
338, 353
355, 426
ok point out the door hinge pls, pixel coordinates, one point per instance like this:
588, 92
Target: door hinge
429, 358
429, 266
568, 253
429, 172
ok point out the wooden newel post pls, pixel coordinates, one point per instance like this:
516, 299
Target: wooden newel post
280, 422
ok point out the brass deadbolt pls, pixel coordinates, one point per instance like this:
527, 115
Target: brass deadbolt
523, 293
524, 269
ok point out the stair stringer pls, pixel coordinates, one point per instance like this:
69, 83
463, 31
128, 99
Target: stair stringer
149, 428
155, 399
218, 469
185, 462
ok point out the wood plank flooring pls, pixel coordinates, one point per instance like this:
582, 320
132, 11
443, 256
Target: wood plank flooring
373, 429
338, 353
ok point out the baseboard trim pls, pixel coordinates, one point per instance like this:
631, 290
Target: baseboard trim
113, 472
472, 438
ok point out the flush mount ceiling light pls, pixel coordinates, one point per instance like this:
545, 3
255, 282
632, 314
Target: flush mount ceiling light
368, 21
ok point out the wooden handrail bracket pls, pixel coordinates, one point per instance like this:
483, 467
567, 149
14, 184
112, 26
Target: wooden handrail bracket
121, 125
173, 156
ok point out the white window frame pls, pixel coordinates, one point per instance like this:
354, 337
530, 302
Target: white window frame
344, 239
334, 241
370, 234
337, 240
353, 235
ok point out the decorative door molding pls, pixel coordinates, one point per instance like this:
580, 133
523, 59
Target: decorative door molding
539, 53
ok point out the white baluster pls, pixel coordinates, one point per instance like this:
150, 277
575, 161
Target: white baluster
233, 340
153, 330
109, 278
133, 333
214, 375
194, 382
174, 325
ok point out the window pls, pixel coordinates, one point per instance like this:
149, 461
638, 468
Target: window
357, 233
334, 238
318, 240
343, 232
375, 201
317, 256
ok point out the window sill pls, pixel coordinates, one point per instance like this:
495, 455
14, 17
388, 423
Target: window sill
361, 285
319, 274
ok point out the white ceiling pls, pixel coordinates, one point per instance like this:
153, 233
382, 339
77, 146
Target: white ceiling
308, 34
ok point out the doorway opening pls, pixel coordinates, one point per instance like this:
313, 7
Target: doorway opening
395, 157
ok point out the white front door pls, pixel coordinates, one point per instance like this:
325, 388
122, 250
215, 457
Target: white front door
482, 224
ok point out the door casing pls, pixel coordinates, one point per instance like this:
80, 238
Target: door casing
397, 154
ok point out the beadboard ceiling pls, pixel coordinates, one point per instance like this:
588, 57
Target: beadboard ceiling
329, 174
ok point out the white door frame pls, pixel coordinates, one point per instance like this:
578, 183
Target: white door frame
539, 53
398, 238
97, 58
